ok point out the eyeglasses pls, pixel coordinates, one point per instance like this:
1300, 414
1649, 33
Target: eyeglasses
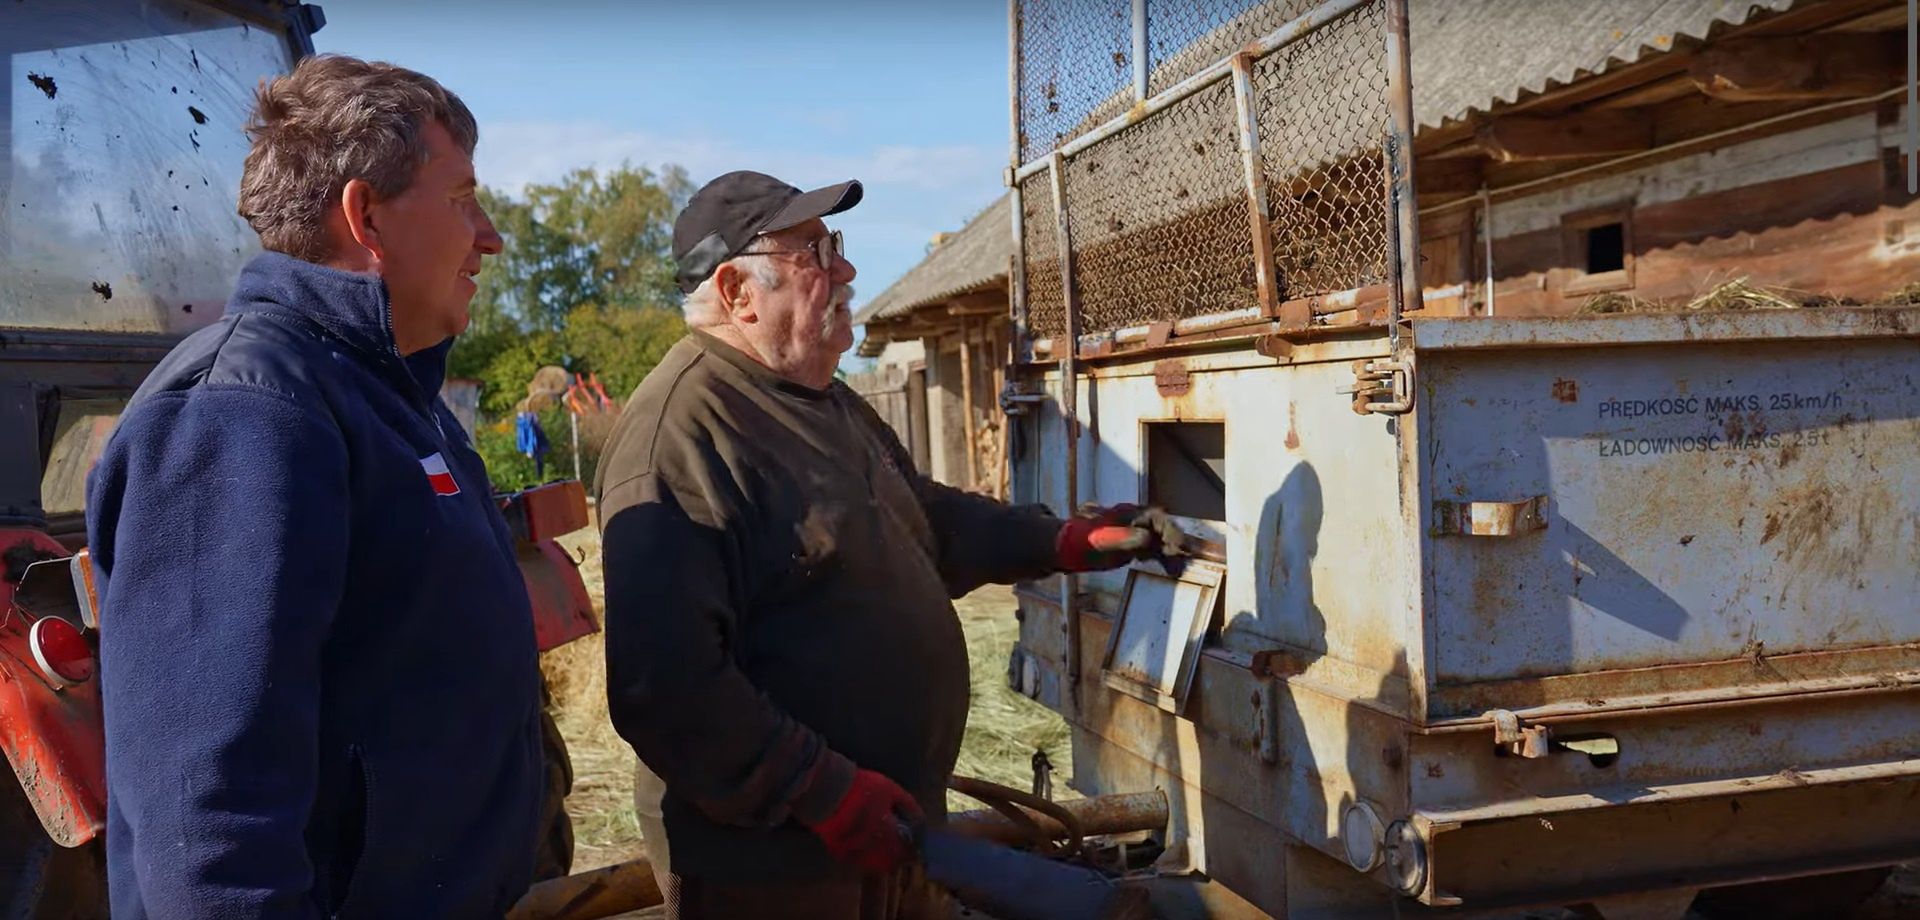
825, 249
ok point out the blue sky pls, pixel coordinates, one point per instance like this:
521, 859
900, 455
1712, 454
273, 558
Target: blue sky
908, 96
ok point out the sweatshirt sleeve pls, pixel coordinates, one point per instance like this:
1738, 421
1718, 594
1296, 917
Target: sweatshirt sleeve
673, 690
219, 516
981, 540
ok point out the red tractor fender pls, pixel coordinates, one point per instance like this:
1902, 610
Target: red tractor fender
52, 734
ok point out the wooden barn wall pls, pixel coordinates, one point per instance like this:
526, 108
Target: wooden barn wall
1821, 210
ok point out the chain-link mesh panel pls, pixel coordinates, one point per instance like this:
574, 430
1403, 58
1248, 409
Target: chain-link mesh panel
1076, 69
1186, 36
1040, 253
1159, 217
1321, 107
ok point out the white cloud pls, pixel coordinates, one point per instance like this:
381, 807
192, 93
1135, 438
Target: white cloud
515, 153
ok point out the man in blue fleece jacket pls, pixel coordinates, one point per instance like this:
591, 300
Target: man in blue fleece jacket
318, 667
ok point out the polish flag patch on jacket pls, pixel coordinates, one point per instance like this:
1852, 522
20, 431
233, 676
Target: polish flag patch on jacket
438, 475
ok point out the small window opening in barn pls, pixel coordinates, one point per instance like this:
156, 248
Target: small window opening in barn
1598, 247
1187, 468
1606, 248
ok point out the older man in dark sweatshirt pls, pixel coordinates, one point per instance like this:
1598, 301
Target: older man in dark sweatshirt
781, 646
319, 675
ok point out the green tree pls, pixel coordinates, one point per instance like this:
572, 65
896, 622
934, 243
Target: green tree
584, 282
620, 344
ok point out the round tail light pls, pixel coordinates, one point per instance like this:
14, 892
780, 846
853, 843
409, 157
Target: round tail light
60, 651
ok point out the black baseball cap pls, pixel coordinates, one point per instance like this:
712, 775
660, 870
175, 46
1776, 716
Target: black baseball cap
727, 213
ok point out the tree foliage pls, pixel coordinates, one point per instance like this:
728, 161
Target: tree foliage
585, 283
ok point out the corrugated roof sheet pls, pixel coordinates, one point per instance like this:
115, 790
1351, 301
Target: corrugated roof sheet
1472, 55
972, 258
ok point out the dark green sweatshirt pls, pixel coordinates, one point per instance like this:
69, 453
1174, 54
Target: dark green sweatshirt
778, 585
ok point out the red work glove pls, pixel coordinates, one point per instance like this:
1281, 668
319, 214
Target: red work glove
1107, 538
866, 830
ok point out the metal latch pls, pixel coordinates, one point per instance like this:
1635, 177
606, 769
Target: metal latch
1014, 400
1489, 519
1529, 741
1383, 387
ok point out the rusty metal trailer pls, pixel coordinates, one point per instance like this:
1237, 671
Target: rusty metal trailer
1493, 612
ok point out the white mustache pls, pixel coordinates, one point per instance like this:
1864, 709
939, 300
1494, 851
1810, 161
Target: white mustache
836, 301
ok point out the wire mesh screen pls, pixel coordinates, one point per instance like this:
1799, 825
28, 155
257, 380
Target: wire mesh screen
1159, 217
1321, 107
1076, 69
1184, 36
1040, 254
1161, 221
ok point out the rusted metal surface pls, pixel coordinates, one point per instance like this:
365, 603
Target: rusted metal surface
1469, 333
1704, 501
1488, 519
1170, 378
1259, 210
1355, 669
604, 892
1604, 590
1734, 830
52, 735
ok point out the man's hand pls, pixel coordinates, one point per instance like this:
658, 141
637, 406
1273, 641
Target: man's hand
1107, 538
864, 830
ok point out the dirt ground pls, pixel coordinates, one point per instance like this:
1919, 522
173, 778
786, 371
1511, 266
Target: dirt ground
1003, 730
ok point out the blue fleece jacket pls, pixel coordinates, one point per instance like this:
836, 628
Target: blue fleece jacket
317, 657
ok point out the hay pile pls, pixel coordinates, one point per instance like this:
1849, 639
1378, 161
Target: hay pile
604, 829
1003, 727
1737, 294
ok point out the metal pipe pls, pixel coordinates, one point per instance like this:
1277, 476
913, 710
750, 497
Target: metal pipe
1265, 45
1017, 268
1509, 191
1013, 83
1259, 214
1486, 234
1403, 229
1070, 422
1108, 814
1140, 61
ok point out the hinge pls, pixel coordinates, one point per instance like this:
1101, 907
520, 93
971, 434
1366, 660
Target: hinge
1381, 387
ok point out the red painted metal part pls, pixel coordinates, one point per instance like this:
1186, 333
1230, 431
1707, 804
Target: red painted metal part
52, 737
562, 610
545, 512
